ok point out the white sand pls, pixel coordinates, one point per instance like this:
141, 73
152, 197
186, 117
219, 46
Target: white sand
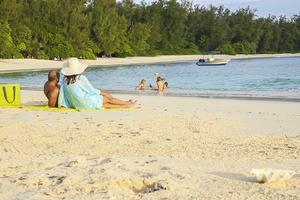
186, 148
21, 65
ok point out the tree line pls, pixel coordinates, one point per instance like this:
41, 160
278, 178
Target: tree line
49, 29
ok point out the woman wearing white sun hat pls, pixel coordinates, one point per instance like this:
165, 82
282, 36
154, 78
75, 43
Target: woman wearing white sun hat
77, 92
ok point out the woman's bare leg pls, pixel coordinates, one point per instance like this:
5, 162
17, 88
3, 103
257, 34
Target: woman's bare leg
119, 102
108, 105
106, 94
115, 101
107, 98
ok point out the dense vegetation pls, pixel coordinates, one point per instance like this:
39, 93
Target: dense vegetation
89, 28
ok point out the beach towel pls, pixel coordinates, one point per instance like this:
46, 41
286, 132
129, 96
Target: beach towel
10, 95
48, 109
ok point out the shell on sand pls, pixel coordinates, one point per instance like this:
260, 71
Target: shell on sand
272, 175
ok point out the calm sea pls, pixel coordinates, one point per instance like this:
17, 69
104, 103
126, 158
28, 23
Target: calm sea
276, 78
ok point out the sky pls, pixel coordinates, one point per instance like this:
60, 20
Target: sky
264, 7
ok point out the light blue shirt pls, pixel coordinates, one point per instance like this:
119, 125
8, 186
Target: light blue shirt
79, 95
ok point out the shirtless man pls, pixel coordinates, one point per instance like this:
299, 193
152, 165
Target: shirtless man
51, 88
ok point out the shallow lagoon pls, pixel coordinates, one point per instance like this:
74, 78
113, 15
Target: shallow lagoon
277, 78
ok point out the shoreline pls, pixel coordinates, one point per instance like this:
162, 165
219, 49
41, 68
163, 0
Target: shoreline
196, 96
28, 65
209, 96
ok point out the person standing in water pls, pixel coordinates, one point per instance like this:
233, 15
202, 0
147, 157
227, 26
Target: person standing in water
162, 84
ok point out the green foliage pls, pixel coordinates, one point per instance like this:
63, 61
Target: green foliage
7, 47
138, 39
153, 17
9, 10
244, 48
37, 50
107, 26
174, 26
86, 54
174, 52
51, 29
59, 47
23, 39
226, 49
92, 46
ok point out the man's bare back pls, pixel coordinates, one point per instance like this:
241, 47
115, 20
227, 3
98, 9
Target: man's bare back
51, 88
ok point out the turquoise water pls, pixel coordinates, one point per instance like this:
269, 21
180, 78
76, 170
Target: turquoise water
256, 78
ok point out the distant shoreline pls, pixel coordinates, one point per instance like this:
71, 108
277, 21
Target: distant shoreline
26, 65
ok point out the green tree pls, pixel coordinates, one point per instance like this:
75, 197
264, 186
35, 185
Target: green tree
59, 47
9, 10
289, 36
244, 48
153, 17
7, 47
174, 26
226, 49
137, 32
243, 27
75, 22
86, 28
22, 36
267, 35
296, 20
138, 37
108, 27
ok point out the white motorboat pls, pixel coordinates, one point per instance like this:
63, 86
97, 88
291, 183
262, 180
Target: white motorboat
212, 62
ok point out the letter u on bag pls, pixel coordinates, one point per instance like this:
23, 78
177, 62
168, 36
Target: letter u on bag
10, 95
5, 94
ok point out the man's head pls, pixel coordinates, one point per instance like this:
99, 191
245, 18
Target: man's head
53, 75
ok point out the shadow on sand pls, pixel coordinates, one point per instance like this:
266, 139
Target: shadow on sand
36, 103
234, 176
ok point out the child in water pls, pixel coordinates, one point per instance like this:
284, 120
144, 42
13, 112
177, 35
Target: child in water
142, 85
162, 84
166, 85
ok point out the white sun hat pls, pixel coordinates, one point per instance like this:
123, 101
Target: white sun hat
73, 67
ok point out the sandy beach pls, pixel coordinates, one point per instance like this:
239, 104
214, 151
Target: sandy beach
21, 65
170, 148
96, 102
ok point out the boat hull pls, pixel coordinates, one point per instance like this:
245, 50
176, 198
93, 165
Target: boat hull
213, 63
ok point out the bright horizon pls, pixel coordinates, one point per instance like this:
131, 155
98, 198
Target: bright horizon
263, 7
